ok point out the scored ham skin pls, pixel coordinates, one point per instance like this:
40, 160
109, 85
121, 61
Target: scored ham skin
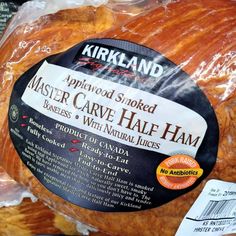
200, 36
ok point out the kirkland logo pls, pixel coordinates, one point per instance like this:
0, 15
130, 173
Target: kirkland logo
118, 58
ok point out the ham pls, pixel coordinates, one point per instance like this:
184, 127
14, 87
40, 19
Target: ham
198, 36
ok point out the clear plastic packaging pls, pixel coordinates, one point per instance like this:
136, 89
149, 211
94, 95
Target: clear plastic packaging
12, 193
33, 10
173, 67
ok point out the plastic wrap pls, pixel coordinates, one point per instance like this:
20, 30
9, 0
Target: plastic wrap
179, 74
33, 10
12, 193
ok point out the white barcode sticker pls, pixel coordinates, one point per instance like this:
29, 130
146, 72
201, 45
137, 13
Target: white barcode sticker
213, 212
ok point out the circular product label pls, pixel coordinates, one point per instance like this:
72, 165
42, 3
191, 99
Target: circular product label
178, 172
113, 126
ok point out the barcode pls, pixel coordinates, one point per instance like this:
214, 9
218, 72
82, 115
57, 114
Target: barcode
219, 209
